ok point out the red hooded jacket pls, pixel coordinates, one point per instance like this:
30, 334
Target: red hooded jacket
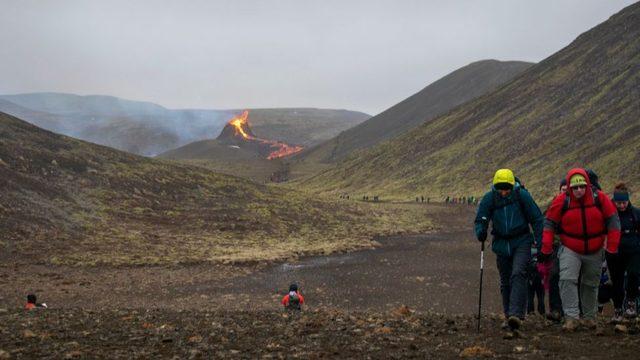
285, 299
584, 226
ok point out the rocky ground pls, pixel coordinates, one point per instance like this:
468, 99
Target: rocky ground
271, 334
412, 296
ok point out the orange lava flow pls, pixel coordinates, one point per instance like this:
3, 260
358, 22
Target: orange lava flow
281, 149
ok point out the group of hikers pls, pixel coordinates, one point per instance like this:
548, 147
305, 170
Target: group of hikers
563, 251
469, 200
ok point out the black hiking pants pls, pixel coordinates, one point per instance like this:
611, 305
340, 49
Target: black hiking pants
618, 265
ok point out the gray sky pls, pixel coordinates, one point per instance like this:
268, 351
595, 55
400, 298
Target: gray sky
358, 55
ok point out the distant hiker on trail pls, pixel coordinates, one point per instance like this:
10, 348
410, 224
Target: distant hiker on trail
510, 209
293, 300
33, 304
628, 257
583, 216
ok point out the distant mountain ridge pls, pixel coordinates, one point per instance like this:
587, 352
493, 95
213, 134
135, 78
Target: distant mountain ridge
578, 107
148, 129
436, 99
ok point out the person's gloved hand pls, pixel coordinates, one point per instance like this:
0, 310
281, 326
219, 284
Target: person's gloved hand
543, 258
482, 236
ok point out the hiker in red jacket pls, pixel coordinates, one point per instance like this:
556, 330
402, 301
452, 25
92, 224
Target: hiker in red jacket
293, 300
584, 217
33, 304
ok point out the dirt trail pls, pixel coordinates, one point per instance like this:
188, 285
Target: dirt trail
437, 271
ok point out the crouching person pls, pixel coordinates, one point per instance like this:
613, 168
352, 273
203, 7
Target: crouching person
584, 216
511, 211
293, 300
32, 303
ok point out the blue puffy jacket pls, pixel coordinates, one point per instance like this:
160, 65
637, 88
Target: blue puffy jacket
510, 218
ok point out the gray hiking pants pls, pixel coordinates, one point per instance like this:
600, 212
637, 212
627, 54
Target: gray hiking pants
587, 268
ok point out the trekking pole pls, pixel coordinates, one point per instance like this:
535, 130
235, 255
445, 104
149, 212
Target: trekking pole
480, 292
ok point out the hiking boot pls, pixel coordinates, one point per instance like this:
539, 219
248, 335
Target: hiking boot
617, 317
630, 310
570, 325
514, 322
504, 325
554, 316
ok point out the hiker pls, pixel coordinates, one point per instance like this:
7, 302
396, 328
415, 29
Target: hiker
534, 284
293, 300
593, 178
550, 272
511, 210
583, 216
32, 303
628, 257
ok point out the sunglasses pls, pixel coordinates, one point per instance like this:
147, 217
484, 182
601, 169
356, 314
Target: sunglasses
579, 187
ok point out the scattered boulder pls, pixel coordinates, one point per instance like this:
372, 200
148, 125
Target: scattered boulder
403, 311
621, 329
73, 354
476, 351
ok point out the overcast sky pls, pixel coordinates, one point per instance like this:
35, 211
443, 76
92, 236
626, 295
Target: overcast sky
359, 55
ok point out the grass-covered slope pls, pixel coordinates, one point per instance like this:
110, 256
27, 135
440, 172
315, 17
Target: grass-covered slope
578, 107
68, 201
439, 97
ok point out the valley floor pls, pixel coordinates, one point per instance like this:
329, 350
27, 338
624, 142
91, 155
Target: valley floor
411, 296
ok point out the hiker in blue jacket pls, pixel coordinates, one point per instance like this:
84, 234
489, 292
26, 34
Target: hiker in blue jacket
512, 213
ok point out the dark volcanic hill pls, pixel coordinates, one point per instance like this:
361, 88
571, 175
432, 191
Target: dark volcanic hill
66, 201
436, 99
577, 107
148, 129
238, 151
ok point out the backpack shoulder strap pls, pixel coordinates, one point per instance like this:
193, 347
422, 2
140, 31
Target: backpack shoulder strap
565, 204
596, 198
523, 208
493, 205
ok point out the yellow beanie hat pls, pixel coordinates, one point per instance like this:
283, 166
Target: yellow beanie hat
504, 176
577, 180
